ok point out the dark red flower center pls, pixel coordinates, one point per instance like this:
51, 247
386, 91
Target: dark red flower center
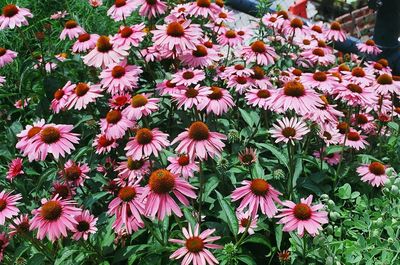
183, 160
83, 226
259, 187
335, 25
383, 62
378, 66
258, 72
353, 136
321, 44
138, 101
62, 191
169, 84
354, 88
358, 72
230, 34
244, 222
114, 116
302, 211
144, 136
201, 51
296, 23
297, 72
320, 76
2, 51
51, 210
316, 28
119, 3
58, 94
327, 135
289, 132
370, 42
10, 10
120, 100
73, 173
191, 93
203, 3
283, 14
239, 67
306, 42
81, 89
3, 204
222, 15
344, 67
127, 193
294, 89
194, 244
241, 80
376, 168
84, 37
319, 52
126, 32
103, 44
134, 164
70, 24
50, 135
216, 93
175, 29
104, 142
199, 131
263, 93
385, 79
343, 127
258, 46
361, 119
188, 75
162, 181
118, 71
151, 2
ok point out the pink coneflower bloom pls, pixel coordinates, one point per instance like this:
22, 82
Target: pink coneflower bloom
21, 103
59, 14
219, 101
141, 106
4, 242
198, 141
355, 140
295, 96
105, 53
85, 42
6, 56
56, 139
317, 30
377, 68
115, 124
374, 173
25, 136
151, 8
62, 190
75, 173
127, 223
8, 204
248, 156
260, 79
129, 201
273, 21
246, 222
121, 77
296, 27
191, 96
257, 193
237, 70
83, 94
195, 247
223, 17
133, 170
104, 145
202, 56
356, 95
229, 37
14, 16
364, 121
129, 35
203, 8
324, 114
54, 217
259, 98
159, 200
168, 87
121, 9
335, 33
330, 134
86, 224
119, 101
369, 47
183, 166
332, 159
319, 56
178, 36
304, 43
19, 224
240, 83
71, 30
319, 80
146, 142
386, 85
188, 77
358, 76
14, 169
259, 53
302, 216
288, 130
61, 97
96, 3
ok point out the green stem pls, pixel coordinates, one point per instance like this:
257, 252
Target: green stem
290, 148
201, 181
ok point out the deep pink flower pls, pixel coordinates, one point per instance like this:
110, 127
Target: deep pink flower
202, 56
120, 78
85, 42
115, 124
259, 98
373, 173
129, 35
183, 166
191, 96
146, 142
8, 207
14, 169
75, 173
133, 170
104, 145
71, 30
19, 224
105, 53
25, 138
6, 56
294, 28
86, 224
14, 16
141, 106
188, 77
335, 33
355, 140
259, 53
385, 85
246, 222
61, 97
119, 101
229, 37
151, 8
219, 101
369, 47
121, 9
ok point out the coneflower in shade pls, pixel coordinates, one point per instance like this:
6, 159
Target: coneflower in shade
129, 35
196, 245
75, 173
71, 30
204, 55
83, 94
368, 47
54, 217
248, 156
355, 140
133, 170
151, 8
295, 96
115, 124
14, 169
373, 173
188, 77
85, 42
121, 9
4, 242
146, 142
162, 184
332, 159
288, 130
26, 135
104, 145
141, 106
302, 217
56, 139
14, 16
259, 53
177, 36
257, 193
182, 165
260, 98
62, 190
219, 101
105, 53
335, 33
86, 224
19, 225
8, 204
247, 222
61, 97
198, 141
191, 96
6, 56
386, 85
120, 78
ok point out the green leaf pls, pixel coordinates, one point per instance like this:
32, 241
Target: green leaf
245, 259
247, 117
278, 236
344, 191
189, 217
277, 153
297, 170
229, 213
258, 239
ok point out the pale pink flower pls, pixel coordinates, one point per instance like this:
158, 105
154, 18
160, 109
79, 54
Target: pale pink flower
319, 56
206, 9
6, 56
115, 124
14, 169
133, 170
259, 53
22, 103
202, 56
86, 224
294, 28
257, 193
83, 94
105, 53
162, 184
129, 35
14, 16
85, 42
335, 33
259, 98
247, 222
319, 80
229, 37
61, 97
240, 83
104, 145
332, 159
54, 217
62, 190
141, 106
358, 76
223, 17
273, 21
152, 8
58, 15
195, 247
302, 217
74, 173
219, 101
369, 47
355, 140
121, 77
288, 130
192, 96
26, 135
71, 30
8, 207
121, 9
168, 87
373, 173
198, 141
183, 166
188, 77
385, 85
146, 142
355, 95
